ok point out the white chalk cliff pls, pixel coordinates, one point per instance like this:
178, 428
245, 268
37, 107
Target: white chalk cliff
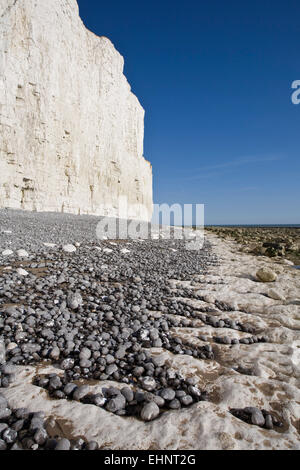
71, 130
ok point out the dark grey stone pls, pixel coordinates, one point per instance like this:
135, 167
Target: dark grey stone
150, 411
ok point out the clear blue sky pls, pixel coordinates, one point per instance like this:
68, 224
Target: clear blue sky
215, 80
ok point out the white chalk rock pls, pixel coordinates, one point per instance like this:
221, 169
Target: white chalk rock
125, 251
69, 248
276, 294
209, 298
49, 245
22, 272
288, 262
7, 253
266, 275
22, 254
107, 250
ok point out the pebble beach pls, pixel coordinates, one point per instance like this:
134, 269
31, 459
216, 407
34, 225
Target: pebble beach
143, 344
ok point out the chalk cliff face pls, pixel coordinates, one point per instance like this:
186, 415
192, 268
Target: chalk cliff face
71, 131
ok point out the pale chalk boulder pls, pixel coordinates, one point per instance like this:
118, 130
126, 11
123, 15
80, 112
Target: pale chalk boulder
266, 275
7, 253
22, 272
69, 248
22, 254
107, 250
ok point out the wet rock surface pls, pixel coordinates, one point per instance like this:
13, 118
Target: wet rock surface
282, 242
139, 332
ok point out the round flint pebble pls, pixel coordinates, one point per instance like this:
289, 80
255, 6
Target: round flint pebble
55, 353
257, 417
81, 392
111, 369
3, 445
117, 403
5, 413
9, 435
77, 444
85, 353
63, 444
69, 388
36, 423
40, 436
174, 404
98, 399
127, 393
150, 411
148, 383
67, 364
158, 400
269, 422
55, 383
18, 425
92, 445
186, 400
167, 394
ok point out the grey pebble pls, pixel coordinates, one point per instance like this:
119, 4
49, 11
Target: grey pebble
63, 444
80, 392
150, 411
